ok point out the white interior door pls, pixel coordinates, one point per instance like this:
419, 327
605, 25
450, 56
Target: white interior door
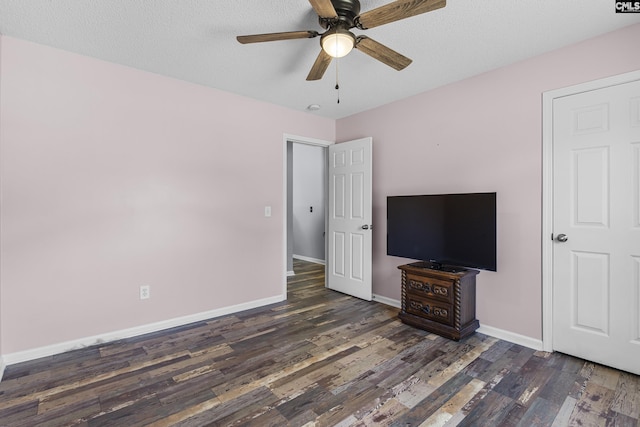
349, 223
596, 225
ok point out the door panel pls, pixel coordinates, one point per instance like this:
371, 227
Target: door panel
636, 184
357, 254
338, 196
357, 196
338, 264
596, 193
350, 214
590, 293
636, 308
590, 187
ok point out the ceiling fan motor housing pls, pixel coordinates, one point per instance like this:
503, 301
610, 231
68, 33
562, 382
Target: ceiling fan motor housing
347, 11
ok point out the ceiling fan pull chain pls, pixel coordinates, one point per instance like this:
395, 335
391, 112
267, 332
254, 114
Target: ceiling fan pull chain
337, 83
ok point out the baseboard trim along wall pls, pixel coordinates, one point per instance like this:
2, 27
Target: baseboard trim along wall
308, 259
2, 365
36, 353
483, 329
387, 301
511, 337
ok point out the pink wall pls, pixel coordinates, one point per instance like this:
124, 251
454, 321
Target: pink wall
113, 178
484, 134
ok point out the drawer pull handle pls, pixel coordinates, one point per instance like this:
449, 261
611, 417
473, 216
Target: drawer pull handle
436, 311
414, 284
419, 307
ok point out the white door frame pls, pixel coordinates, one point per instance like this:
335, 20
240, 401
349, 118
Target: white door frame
301, 140
547, 190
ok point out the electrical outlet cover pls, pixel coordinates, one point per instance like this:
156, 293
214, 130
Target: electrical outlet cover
145, 292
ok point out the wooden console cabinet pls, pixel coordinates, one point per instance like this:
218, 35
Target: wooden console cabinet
439, 301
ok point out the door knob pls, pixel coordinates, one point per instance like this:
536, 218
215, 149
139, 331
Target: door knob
562, 238
365, 227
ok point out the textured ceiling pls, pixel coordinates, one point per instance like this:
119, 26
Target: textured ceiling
194, 40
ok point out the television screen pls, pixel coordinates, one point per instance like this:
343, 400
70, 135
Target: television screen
451, 229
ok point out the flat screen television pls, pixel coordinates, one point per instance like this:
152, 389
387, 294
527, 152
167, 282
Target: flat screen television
444, 229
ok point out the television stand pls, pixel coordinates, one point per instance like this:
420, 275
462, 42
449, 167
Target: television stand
442, 301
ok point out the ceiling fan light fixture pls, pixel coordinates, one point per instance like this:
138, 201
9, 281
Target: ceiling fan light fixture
337, 42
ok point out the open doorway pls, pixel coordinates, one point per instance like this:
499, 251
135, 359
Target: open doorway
348, 195
306, 200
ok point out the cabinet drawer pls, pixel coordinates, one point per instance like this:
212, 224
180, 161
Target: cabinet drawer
430, 309
430, 287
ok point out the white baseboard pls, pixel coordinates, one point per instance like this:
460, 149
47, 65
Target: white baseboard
23, 356
36, 353
290, 273
483, 329
387, 301
309, 259
2, 366
511, 337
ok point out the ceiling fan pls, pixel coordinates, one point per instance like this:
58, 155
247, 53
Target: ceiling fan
338, 17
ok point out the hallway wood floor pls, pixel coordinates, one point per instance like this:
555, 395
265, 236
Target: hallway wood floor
319, 359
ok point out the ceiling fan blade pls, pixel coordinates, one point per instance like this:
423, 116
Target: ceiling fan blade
320, 66
289, 35
324, 8
397, 10
382, 53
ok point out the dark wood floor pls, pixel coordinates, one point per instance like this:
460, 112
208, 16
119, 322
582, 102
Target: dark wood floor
319, 359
